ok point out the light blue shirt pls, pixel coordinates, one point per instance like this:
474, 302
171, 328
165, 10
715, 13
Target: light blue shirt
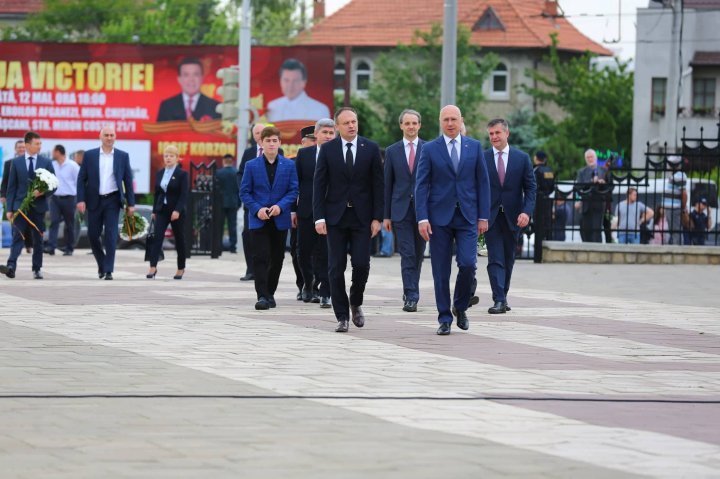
67, 174
167, 176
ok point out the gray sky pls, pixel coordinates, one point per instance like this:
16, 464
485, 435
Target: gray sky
597, 19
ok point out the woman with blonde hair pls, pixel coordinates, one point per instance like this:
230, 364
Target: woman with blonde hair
172, 187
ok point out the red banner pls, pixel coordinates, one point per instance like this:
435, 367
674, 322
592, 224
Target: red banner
153, 96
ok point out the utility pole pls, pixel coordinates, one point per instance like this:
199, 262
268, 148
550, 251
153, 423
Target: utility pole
449, 54
244, 79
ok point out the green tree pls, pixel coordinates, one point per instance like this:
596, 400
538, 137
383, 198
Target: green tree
410, 77
598, 102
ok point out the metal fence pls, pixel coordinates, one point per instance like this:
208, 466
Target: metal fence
205, 208
673, 199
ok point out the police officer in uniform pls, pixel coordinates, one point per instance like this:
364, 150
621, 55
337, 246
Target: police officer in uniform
545, 180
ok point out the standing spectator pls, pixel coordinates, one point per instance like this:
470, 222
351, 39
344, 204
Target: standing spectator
22, 172
630, 213
560, 214
675, 200
105, 185
400, 174
699, 222
172, 188
269, 188
545, 180
348, 208
227, 179
452, 205
660, 228
63, 202
512, 201
592, 183
78, 156
19, 151
312, 248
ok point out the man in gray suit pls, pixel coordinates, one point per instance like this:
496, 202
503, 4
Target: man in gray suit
400, 159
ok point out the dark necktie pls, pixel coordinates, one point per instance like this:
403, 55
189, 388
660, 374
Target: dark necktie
31, 169
454, 155
349, 158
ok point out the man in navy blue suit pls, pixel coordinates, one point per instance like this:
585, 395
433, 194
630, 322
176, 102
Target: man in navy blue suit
400, 173
452, 203
348, 208
269, 188
105, 185
22, 172
512, 184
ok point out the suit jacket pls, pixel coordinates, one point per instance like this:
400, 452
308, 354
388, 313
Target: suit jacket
439, 189
5, 178
250, 153
517, 193
18, 183
593, 195
399, 182
305, 165
334, 186
178, 190
173, 109
227, 178
257, 192
88, 185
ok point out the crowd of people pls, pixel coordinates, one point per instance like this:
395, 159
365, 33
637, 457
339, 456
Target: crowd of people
337, 194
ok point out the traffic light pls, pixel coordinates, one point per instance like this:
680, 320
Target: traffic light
229, 107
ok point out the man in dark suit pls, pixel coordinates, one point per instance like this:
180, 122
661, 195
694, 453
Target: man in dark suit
348, 208
593, 185
452, 202
22, 172
105, 185
312, 248
269, 188
19, 151
400, 173
512, 184
227, 179
190, 103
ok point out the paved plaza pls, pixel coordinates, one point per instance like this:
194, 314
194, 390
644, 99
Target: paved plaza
598, 371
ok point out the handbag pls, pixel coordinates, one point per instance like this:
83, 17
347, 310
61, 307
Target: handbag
149, 240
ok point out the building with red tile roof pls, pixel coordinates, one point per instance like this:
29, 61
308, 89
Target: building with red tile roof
13, 12
518, 31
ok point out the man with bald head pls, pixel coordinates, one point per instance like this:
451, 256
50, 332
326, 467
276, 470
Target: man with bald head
104, 186
452, 205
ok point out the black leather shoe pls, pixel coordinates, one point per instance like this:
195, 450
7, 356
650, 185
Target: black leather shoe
444, 329
358, 318
497, 308
410, 306
306, 296
262, 304
473, 301
247, 277
315, 298
108, 277
101, 275
67, 253
7, 271
299, 296
462, 320
342, 326
50, 251
507, 307
37, 275
325, 302
272, 302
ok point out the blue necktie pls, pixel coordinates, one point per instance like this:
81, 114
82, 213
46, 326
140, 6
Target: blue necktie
31, 169
454, 156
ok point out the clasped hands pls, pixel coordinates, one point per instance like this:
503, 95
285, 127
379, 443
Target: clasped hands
267, 213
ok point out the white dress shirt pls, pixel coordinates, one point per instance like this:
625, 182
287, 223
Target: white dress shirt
506, 156
407, 142
107, 176
67, 174
302, 107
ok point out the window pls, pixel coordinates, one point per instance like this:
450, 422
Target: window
362, 76
489, 20
659, 92
339, 77
703, 96
499, 82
